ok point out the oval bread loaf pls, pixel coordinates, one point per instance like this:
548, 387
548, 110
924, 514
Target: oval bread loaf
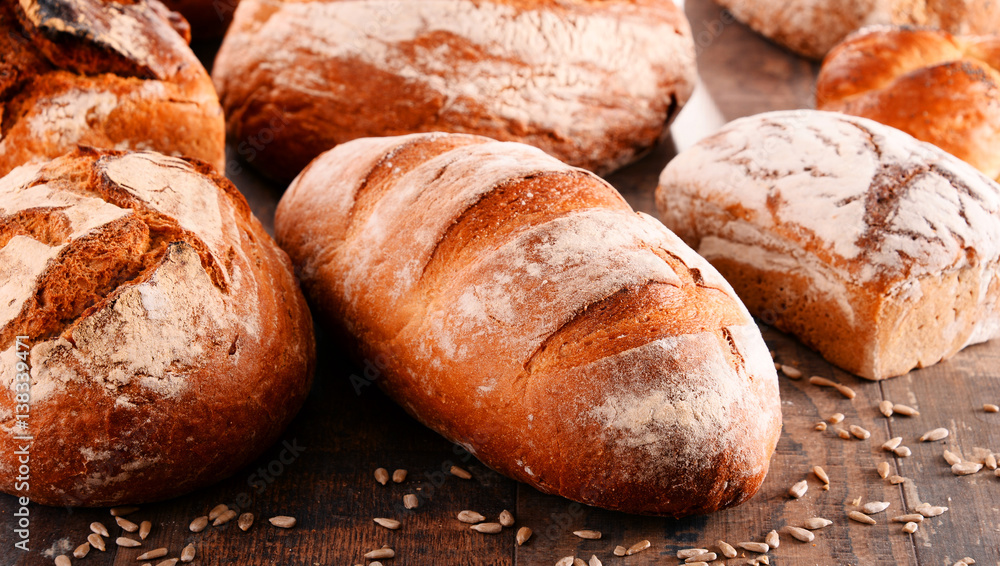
166, 341
519, 307
878, 250
592, 83
114, 75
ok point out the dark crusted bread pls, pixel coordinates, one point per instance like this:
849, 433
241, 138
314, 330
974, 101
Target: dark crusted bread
169, 341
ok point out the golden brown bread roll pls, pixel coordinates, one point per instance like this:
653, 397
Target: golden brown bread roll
115, 75
880, 251
934, 86
592, 83
519, 307
813, 27
166, 341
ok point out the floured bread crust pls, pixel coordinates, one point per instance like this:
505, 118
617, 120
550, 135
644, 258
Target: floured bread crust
592, 83
813, 27
169, 343
876, 249
113, 75
520, 308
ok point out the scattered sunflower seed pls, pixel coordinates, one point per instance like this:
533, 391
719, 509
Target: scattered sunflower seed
817, 523
791, 372
245, 521
82, 551
187, 555
966, 468
387, 523
773, 353
168, 562
144, 528
399, 476
579, 562
860, 517
224, 518
896, 480
703, 558
637, 547
843, 433
62, 560
821, 474
619, 551
460, 473
127, 542
991, 461
755, 546
860, 433
282, 521
506, 518
589, 535
777, 366
996, 472
523, 534
470, 517
123, 511
968, 560
910, 528
726, 549
96, 541
799, 533
382, 475
199, 524
991, 408
156, 553
821, 381
594, 561
217, 510
763, 560
686, 553
892, 443
905, 410
883, 469
565, 561
772, 539
696, 563
934, 435
874, 507
885, 407
820, 426
99, 528
903, 452
487, 528
380, 553
410, 501
908, 518
845, 391
931, 511
836, 418
951, 458
799, 489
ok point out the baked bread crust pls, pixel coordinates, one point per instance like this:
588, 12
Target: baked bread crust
169, 341
116, 75
932, 85
593, 83
813, 27
876, 249
520, 308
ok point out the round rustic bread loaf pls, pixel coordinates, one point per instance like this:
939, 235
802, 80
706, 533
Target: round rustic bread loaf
115, 75
592, 83
932, 85
163, 340
813, 27
521, 308
877, 249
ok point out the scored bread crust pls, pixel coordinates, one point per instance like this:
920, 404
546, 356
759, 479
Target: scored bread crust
932, 85
593, 83
169, 341
876, 249
116, 75
519, 307
813, 27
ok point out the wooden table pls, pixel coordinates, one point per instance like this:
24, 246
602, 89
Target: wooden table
343, 434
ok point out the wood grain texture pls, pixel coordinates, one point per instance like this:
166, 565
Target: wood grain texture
331, 490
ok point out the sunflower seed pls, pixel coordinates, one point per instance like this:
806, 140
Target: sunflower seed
905, 410
885, 407
820, 426
860, 433
991, 408
703, 558
187, 555
637, 547
931, 511
686, 553
843, 433
157, 553
908, 518
470, 517
399, 476
382, 475
488, 528
910, 528
620, 551
896, 480
594, 561
821, 381
799, 489
565, 561
460, 473
874, 507
127, 542
777, 366
996, 472
772, 539
387, 523
199, 524
903, 452
589, 535
144, 528
410, 501
763, 560
800, 534
380, 553
951, 458
123, 511
991, 461
966, 468
62, 560
883, 469
934, 435
856, 502
968, 560
168, 562
817, 523
773, 353
506, 518
860, 517
523, 534
726, 549
375, 563
696, 563
755, 546
224, 518
282, 521
217, 510
821, 474
82, 551
791, 372
892, 443
245, 521
836, 418
579, 562
96, 541
845, 391
126, 525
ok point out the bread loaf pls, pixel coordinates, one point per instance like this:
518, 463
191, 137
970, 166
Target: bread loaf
932, 85
592, 83
115, 75
167, 343
812, 27
876, 249
519, 307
